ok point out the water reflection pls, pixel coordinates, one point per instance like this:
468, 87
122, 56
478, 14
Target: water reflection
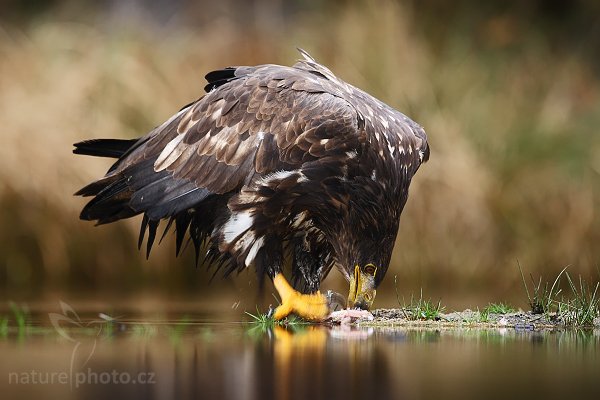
327, 362
245, 361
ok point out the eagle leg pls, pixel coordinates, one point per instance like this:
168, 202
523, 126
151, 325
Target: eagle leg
313, 307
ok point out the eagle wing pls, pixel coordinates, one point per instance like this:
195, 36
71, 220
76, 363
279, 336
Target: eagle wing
259, 129
254, 121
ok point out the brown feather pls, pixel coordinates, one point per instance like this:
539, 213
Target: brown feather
275, 142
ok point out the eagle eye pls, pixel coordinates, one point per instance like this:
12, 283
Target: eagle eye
370, 269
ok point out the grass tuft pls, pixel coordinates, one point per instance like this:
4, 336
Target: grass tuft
498, 308
583, 307
422, 309
577, 311
544, 296
419, 309
484, 315
267, 320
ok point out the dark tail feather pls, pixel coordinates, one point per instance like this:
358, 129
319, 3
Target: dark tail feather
113, 148
110, 204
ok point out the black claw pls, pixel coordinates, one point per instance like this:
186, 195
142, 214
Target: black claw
335, 301
270, 312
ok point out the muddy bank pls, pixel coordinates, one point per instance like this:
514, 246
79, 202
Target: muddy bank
519, 320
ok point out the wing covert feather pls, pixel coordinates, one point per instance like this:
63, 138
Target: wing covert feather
250, 127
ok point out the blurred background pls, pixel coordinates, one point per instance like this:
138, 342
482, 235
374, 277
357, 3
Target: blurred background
508, 92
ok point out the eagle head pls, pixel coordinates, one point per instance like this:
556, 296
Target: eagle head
365, 267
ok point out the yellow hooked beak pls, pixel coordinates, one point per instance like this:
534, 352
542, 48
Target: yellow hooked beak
362, 288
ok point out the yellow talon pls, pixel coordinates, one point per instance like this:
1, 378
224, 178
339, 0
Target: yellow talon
312, 307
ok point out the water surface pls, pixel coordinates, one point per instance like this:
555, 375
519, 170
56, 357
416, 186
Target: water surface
208, 357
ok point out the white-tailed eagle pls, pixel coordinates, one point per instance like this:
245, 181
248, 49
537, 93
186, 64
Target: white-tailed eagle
272, 162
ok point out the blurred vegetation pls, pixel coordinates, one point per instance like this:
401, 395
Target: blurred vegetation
507, 91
